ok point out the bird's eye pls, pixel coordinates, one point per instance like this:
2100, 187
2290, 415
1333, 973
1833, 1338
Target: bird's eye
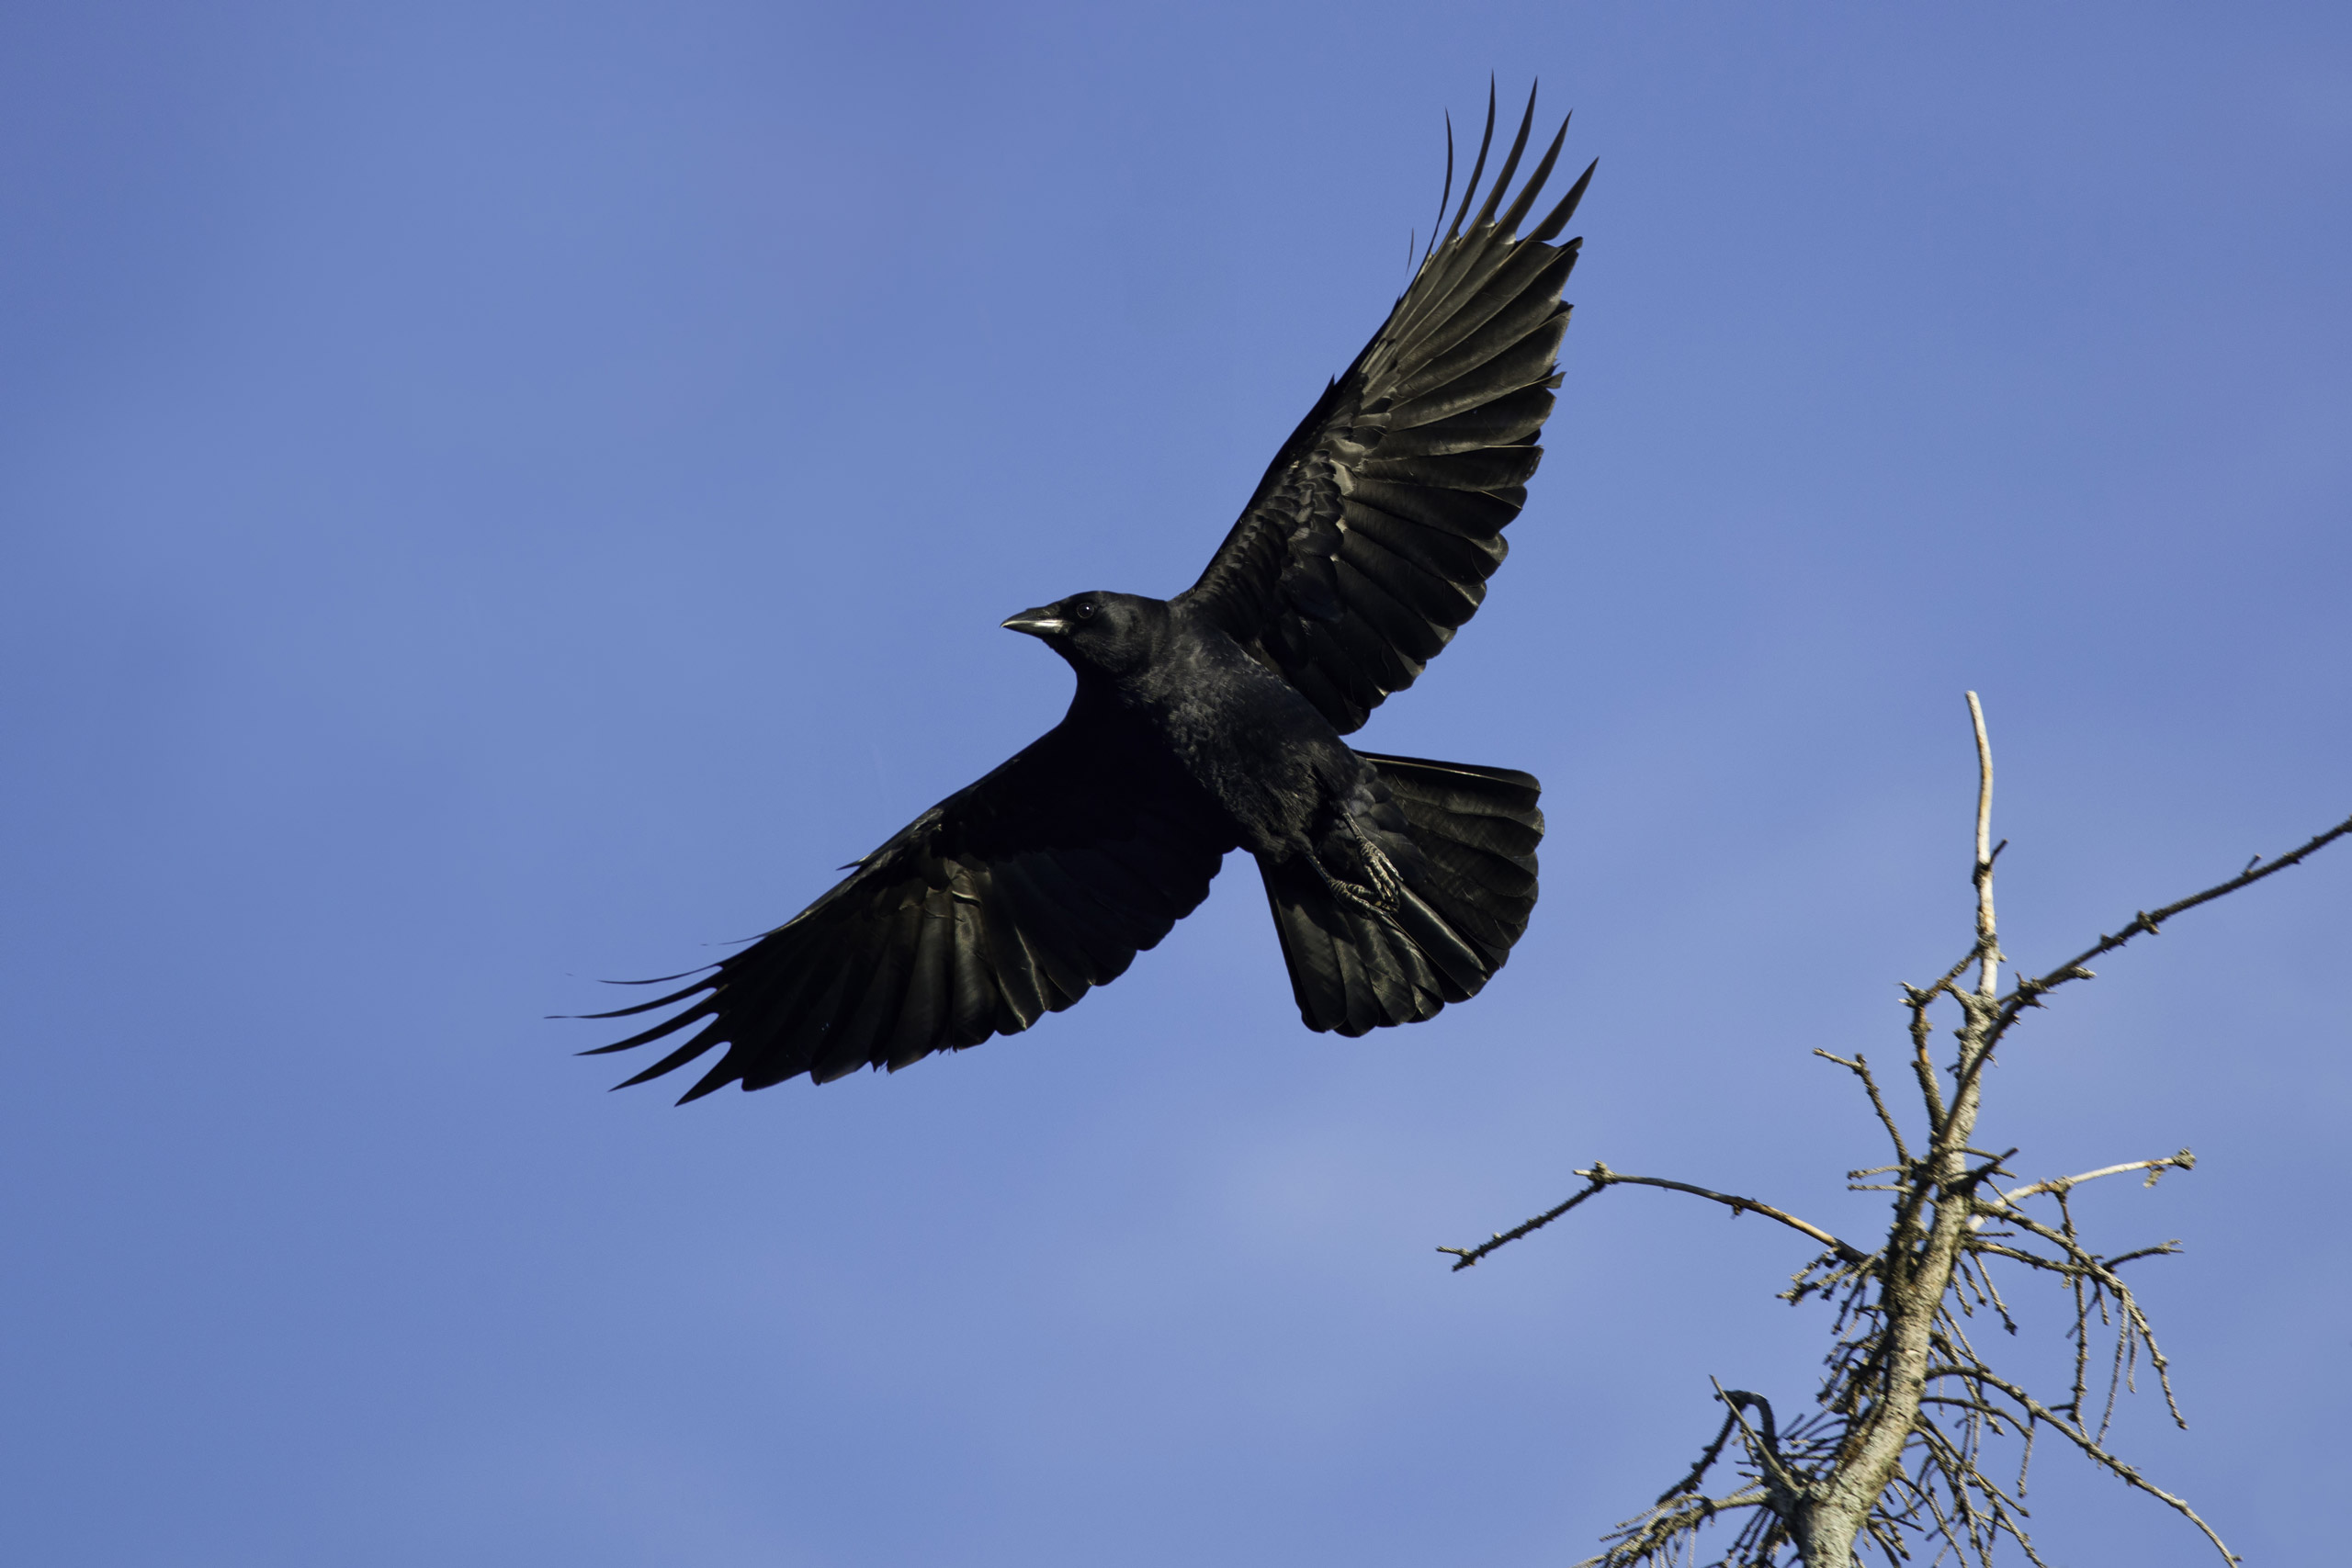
1083, 609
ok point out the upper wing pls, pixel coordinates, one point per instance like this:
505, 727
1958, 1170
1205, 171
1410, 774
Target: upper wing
1005, 901
1371, 535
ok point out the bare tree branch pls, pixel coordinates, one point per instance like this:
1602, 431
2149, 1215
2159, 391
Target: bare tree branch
2082, 1439
1988, 945
2029, 992
1600, 1177
2182, 1160
1466, 1256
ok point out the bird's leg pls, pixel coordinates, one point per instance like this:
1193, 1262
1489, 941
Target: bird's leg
1386, 889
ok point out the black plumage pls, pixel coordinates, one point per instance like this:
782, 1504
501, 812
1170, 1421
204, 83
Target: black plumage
1212, 721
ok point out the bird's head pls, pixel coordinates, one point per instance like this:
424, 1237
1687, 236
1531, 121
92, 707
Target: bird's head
1115, 633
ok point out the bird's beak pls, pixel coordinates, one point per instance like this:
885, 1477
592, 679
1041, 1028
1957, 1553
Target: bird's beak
1039, 622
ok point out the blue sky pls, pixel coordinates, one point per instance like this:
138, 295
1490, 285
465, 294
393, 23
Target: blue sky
493, 496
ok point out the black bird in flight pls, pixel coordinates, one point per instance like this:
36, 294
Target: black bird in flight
1212, 721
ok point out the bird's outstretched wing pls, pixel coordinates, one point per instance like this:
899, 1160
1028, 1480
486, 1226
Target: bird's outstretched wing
1372, 536
1004, 902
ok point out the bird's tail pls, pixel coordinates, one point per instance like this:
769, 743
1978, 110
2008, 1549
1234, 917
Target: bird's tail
1465, 901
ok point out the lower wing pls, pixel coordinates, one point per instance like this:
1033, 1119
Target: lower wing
1008, 900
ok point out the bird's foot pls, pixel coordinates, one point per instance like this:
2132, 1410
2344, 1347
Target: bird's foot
1386, 889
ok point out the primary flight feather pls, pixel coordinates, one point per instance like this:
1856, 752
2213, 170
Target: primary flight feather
1212, 721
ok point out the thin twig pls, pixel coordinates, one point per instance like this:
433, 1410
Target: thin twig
1706, 1462
1466, 1256
1860, 1065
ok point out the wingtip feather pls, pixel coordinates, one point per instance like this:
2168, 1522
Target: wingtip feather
1512, 220
1446, 196
677, 996
1510, 162
1486, 142
719, 1078
1557, 219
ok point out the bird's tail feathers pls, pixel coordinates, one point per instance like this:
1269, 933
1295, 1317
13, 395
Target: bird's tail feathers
1466, 898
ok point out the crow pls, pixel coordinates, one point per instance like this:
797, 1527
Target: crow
1212, 721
